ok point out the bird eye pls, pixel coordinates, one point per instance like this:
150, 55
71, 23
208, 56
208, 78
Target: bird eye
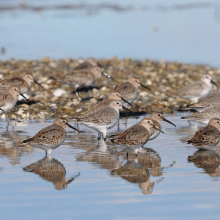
64, 121
117, 94
148, 122
136, 80
203, 139
118, 103
217, 121
159, 115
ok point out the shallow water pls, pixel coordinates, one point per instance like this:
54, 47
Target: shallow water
83, 180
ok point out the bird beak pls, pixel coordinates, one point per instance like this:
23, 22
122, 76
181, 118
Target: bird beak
164, 119
126, 101
38, 84
127, 109
214, 83
157, 129
145, 86
70, 126
23, 96
106, 75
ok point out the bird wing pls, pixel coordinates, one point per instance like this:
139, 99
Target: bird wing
11, 82
135, 135
51, 135
77, 77
125, 88
193, 89
208, 135
103, 116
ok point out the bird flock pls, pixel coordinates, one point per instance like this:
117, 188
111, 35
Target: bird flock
106, 114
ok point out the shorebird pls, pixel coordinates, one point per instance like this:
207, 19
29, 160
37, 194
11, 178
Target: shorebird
157, 117
129, 89
211, 100
114, 96
51, 137
207, 137
135, 136
196, 90
82, 77
102, 119
205, 116
22, 83
9, 98
87, 64
51, 170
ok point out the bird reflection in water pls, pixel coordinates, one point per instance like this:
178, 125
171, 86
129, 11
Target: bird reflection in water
208, 160
51, 170
134, 172
102, 155
11, 147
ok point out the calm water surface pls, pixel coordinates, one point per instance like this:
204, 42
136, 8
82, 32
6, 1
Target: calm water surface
84, 180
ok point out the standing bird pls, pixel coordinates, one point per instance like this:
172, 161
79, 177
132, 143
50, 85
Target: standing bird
207, 137
82, 77
51, 137
196, 90
129, 89
135, 136
9, 98
157, 117
22, 83
113, 96
102, 119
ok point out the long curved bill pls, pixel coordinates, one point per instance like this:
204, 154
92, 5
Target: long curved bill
164, 119
23, 96
214, 83
38, 84
158, 129
145, 86
70, 126
123, 99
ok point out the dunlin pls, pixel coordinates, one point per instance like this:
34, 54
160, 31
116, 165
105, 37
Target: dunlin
207, 137
81, 78
87, 64
157, 117
205, 116
135, 136
51, 137
129, 89
22, 83
51, 170
196, 90
102, 119
9, 98
112, 96
211, 100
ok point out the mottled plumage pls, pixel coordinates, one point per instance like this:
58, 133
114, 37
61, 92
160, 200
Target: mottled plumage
135, 136
129, 89
22, 83
103, 119
114, 96
87, 64
51, 137
208, 136
204, 116
196, 90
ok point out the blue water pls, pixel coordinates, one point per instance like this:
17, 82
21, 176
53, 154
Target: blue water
183, 31
182, 189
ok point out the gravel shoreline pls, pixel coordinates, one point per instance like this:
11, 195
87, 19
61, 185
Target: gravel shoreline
162, 77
